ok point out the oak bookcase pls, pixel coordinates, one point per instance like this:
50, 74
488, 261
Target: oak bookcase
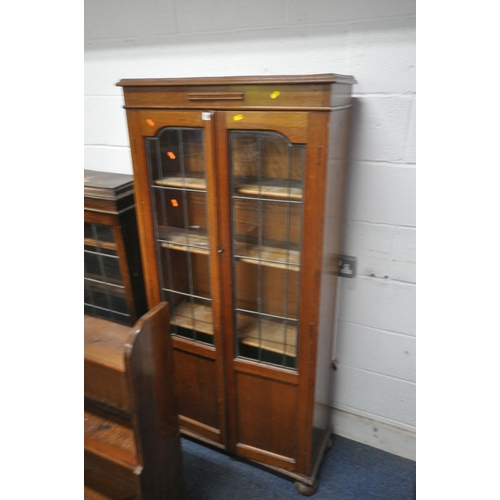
239, 190
113, 277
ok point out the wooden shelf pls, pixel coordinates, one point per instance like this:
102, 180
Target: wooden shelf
197, 183
276, 189
115, 287
183, 316
105, 245
180, 239
272, 335
267, 189
251, 254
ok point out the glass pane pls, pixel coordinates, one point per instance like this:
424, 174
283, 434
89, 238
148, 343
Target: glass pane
176, 164
99, 238
267, 231
267, 177
178, 158
265, 164
103, 268
182, 218
104, 291
267, 340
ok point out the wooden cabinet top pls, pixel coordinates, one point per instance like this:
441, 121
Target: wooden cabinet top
302, 92
238, 80
107, 192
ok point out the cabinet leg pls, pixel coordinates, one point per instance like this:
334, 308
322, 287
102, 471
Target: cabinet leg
306, 489
329, 443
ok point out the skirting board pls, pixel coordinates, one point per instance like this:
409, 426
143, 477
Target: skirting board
373, 433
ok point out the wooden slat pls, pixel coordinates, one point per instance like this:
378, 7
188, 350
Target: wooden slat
107, 438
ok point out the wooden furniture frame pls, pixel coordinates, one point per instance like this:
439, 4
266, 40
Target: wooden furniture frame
132, 442
114, 285
257, 166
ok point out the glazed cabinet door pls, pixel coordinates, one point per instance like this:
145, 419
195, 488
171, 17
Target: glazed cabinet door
270, 341
108, 292
176, 175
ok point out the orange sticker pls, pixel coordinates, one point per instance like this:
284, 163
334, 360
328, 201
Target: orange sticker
171, 155
237, 118
175, 203
150, 122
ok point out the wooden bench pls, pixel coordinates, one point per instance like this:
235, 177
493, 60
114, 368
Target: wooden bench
132, 444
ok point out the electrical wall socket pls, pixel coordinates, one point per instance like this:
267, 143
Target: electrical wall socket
347, 266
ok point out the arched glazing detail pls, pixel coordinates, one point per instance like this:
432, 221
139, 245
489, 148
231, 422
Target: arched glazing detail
266, 202
177, 173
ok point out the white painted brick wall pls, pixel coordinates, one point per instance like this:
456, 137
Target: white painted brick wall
374, 40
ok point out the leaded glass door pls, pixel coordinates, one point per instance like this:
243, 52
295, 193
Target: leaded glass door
105, 291
267, 172
178, 183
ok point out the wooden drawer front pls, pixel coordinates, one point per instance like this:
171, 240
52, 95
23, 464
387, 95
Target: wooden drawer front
229, 97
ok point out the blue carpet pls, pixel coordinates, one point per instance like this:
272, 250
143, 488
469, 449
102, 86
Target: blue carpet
350, 471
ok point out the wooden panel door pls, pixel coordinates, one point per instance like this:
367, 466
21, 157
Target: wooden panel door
174, 169
271, 280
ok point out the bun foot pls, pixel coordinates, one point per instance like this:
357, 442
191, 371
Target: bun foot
306, 489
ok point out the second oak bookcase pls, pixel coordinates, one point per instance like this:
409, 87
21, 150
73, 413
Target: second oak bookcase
239, 192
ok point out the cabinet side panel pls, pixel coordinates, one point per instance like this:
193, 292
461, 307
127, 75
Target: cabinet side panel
339, 129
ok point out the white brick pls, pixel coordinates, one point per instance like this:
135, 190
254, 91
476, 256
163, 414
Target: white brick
375, 350
374, 394
383, 251
411, 148
380, 127
381, 193
371, 244
376, 9
326, 11
108, 159
105, 121
318, 11
382, 304
382, 56
274, 51
106, 19
403, 257
214, 15
300, 50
